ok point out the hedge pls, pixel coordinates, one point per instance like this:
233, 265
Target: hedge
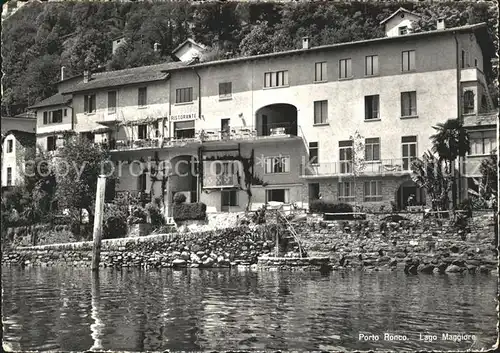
320, 206
190, 211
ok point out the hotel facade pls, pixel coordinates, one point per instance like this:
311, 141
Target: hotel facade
342, 122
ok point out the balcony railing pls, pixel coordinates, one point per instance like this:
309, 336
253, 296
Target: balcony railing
220, 181
380, 167
272, 130
142, 196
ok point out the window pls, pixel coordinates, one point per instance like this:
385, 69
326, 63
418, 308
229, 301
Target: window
409, 146
184, 95
320, 72
10, 146
279, 164
468, 102
278, 195
142, 131
403, 30
372, 149
229, 198
345, 70
345, 154
184, 129
45, 118
320, 112
9, 176
276, 79
408, 60
51, 143
371, 65
142, 96
475, 62
373, 191
141, 182
482, 142
313, 152
346, 191
225, 90
55, 116
65, 112
409, 103
112, 102
463, 59
89, 103
372, 107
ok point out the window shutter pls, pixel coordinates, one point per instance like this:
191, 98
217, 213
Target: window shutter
86, 104
45, 119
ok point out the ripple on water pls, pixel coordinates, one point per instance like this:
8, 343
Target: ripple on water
53, 309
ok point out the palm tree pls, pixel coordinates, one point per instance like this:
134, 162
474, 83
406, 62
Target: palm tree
451, 142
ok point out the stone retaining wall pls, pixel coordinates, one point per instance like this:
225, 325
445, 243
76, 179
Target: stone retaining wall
225, 248
419, 245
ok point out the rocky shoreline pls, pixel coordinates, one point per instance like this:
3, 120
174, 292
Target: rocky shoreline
414, 247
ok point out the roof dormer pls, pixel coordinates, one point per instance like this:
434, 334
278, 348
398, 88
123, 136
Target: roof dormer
399, 23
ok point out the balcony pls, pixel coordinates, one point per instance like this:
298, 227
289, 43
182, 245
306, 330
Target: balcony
135, 144
244, 133
141, 196
345, 168
223, 181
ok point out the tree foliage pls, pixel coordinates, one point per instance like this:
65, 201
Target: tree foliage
79, 164
81, 33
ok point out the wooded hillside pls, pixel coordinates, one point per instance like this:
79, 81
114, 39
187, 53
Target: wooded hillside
39, 38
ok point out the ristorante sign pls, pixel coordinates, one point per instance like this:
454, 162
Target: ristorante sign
181, 117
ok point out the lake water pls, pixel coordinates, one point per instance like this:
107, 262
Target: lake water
59, 308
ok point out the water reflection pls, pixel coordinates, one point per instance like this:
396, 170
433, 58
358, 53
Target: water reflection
133, 310
98, 325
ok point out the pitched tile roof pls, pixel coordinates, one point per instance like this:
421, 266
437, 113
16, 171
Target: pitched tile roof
126, 77
56, 99
23, 137
401, 9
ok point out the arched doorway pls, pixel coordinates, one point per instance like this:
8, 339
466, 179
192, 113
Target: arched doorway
406, 189
276, 119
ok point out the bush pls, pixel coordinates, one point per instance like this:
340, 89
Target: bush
138, 215
114, 222
317, 206
179, 198
155, 214
190, 211
320, 206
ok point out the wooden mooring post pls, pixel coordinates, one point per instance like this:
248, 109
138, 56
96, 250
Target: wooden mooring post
98, 216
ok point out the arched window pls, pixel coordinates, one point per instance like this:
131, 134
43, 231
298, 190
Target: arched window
468, 102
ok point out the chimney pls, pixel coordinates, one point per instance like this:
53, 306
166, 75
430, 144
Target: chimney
305, 42
156, 46
86, 76
62, 72
440, 23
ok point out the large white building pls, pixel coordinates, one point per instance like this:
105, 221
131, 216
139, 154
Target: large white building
295, 121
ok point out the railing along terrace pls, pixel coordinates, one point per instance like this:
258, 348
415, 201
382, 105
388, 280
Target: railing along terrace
142, 196
222, 180
270, 130
380, 167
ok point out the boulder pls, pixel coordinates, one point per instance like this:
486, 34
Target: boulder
208, 262
454, 269
179, 263
425, 268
